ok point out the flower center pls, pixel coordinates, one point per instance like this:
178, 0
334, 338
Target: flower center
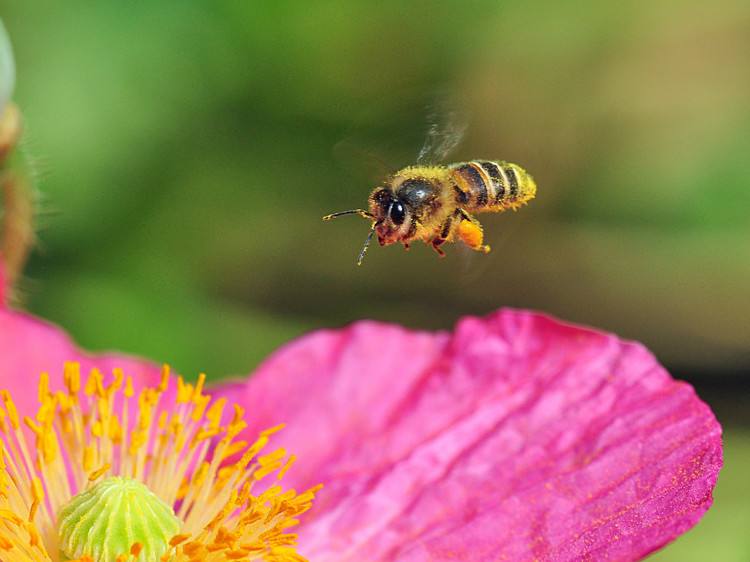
170, 481
117, 515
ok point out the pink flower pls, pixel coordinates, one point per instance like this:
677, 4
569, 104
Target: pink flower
516, 437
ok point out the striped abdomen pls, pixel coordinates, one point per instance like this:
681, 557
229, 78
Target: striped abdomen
481, 185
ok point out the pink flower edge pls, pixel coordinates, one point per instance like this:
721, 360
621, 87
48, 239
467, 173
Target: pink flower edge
29, 347
516, 437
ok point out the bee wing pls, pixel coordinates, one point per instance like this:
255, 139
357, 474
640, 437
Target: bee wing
361, 162
381, 138
446, 127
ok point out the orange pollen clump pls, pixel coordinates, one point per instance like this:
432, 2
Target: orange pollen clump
178, 450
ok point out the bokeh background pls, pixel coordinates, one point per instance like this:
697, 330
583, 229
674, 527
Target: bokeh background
186, 151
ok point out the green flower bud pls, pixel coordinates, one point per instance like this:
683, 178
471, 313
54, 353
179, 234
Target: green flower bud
105, 521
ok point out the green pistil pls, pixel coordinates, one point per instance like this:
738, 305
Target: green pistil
105, 521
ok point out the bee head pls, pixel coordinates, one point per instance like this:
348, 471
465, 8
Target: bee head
392, 216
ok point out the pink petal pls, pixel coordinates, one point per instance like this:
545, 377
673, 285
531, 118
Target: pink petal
29, 346
516, 438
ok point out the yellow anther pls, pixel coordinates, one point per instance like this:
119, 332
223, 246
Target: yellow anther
164, 384
214, 412
239, 414
220, 483
99, 472
234, 430
64, 401
37, 493
175, 424
270, 493
200, 475
195, 551
203, 435
66, 424
145, 407
43, 389
34, 538
129, 391
272, 457
244, 493
49, 446
272, 430
90, 386
178, 539
72, 377
119, 376
103, 408
88, 458
183, 489
254, 449
264, 471
200, 403
115, 430
223, 513
10, 407
8, 515
289, 523
33, 426
184, 391
137, 440
234, 448
95, 384
46, 412
286, 467
199, 386
224, 474
162, 423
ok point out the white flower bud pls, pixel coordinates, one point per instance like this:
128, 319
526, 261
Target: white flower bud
7, 69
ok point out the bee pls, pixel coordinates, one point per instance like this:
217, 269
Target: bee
434, 203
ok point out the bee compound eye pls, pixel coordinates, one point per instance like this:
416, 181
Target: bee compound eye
398, 213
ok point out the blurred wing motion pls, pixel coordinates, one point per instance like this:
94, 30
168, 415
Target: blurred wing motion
360, 162
446, 126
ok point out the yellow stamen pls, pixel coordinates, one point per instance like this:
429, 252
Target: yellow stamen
99, 473
181, 451
10, 407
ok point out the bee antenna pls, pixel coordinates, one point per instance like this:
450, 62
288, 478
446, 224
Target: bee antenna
367, 243
360, 212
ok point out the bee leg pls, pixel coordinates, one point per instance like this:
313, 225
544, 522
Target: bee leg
470, 233
406, 246
436, 243
361, 212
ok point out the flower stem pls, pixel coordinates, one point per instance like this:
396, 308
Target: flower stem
17, 234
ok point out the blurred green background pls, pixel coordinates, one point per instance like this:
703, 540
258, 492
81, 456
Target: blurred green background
186, 152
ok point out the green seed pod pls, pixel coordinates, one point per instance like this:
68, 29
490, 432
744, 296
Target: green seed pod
7, 68
103, 522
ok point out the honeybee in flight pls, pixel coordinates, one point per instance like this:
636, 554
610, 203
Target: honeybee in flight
434, 203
